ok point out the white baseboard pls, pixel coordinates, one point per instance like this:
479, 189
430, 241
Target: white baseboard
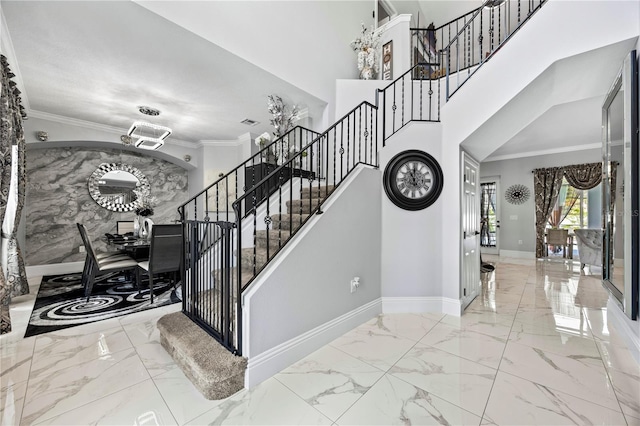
54, 269
625, 326
518, 254
443, 305
268, 363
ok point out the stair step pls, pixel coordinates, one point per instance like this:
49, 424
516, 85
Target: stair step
288, 221
214, 371
277, 237
247, 274
247, 258
316, 192
303, 206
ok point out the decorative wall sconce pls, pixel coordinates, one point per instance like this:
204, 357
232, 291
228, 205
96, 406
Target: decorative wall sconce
126, 140
42, 136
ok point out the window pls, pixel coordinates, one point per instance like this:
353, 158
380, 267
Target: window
488, 214
575, 208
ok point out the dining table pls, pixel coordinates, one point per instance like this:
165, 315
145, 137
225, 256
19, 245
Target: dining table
138, 249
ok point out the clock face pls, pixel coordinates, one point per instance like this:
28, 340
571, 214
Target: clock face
413, 180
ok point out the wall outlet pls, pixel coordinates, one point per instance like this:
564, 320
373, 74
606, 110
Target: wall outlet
355, 283
520, 242
81, 249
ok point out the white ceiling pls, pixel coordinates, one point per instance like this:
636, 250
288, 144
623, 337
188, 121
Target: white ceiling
98, 61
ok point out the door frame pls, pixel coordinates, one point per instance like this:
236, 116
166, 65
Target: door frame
466, 299
493, 250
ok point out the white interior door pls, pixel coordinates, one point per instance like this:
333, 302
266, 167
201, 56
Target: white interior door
470, 204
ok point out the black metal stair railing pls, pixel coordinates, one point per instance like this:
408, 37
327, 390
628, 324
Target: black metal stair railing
414, 96
214, 202
467, 42
207, 217
293, 192
292, 201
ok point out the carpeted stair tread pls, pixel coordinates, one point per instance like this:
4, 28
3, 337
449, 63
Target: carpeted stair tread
247, 274
247, 257
277, 238
215, 371
288, 221
305, 205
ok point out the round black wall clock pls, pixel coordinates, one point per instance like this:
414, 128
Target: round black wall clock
413, 180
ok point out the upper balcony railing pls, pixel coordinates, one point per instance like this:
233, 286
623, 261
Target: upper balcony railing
462, 45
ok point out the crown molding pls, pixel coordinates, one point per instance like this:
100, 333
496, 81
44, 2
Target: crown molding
543, 152
6, 47
100, 127
204, 143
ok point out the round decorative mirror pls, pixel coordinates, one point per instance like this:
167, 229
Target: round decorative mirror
113, 186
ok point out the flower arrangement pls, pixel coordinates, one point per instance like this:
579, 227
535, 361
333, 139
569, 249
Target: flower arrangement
367, 47
282, 119
146, 202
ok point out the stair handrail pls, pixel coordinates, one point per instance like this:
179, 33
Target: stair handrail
419, 75
278, 176
250, 161
474, 43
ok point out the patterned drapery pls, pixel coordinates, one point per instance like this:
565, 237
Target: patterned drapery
546, 187
583, 176
11, 133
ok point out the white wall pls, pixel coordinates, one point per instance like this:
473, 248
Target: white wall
305, 43
308, 284
517, 221
411, 240
559, 30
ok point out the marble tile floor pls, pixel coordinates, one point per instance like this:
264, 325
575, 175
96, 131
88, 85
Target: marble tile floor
535, 348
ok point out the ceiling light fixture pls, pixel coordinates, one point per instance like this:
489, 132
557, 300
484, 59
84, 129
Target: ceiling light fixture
249, 122
147, 134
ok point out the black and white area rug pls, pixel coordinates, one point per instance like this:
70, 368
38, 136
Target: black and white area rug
61, 302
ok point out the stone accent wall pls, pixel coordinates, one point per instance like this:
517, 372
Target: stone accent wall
58, 198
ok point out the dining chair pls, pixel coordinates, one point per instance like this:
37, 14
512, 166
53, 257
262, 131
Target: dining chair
165, 254
558, 238
97, 263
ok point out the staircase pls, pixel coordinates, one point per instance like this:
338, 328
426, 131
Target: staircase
236, 226
283, 226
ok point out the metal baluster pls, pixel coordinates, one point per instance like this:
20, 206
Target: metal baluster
360, 133
393, 108
421, 70
519, 7
480, 40
402, 97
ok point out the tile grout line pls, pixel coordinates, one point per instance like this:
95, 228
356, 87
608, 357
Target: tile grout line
505, 348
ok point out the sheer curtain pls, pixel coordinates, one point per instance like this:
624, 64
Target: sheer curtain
13, 279
546, 187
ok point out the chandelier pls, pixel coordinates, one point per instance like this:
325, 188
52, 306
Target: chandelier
146, 135
149, 136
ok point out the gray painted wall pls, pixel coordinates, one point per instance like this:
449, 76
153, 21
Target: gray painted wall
411, 240
58, 198
311, 285
517, 222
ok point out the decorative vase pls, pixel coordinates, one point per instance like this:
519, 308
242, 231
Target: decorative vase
145, 229
136, 226
366, 73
